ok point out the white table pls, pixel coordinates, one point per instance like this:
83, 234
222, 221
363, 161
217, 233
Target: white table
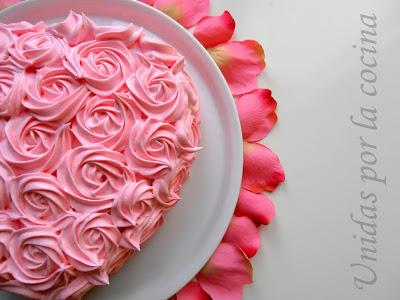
315, 74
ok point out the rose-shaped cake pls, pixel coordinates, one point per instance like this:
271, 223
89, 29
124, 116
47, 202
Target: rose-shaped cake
105, 121
104, 65
152, 150
158, 92
33, 145
99, 126
36, 259
93, 176
54, 95
137, 213
89, 242
39, 200
37, 49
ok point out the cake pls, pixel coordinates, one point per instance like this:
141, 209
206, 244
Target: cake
99, 126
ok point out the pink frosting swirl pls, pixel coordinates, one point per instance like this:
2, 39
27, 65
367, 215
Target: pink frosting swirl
105, 121
6, 176
23, 27
37, 49
158, 51
192, 94
7, 227
75, 29
130, 205
6, 40
179, 178
54, 95
39, 200
129, 35
138, 211
32, 145
188, 135
93, 176
104, 65
36, 258
157, 91
152, 148
164, 196
89, 242
134, 236
12, 89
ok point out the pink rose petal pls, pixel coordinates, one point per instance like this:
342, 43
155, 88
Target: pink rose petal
243, 233
262, 170
241, 63
257, 207
149, 2
186, 12
212, 31
225, 274
7, 3
257, 114
192, 291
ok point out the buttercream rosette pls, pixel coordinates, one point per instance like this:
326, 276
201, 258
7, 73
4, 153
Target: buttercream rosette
12, 89
99, 126
53, 94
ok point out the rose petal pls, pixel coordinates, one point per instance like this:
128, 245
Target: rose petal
192, 291
262, 170
225, 274
149, 2
257, 114
7, 3
212, 31
243, 233
186, 12
241, 63
257, 207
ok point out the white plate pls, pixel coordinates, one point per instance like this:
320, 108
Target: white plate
194, 228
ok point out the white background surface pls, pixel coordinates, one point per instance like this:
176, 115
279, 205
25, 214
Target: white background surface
314, 73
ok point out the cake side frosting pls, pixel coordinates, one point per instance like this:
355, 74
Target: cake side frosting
99, 126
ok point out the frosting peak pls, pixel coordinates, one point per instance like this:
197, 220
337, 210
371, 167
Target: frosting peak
75, 29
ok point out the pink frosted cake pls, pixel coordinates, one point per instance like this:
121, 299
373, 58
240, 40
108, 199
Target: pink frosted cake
98, 130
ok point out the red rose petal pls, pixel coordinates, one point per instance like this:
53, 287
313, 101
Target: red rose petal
243, 233
192, 291
212, 31
7, 3
262, 170
186, 12
257, 114
149, 2
241, 63
225, 274
257, 207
